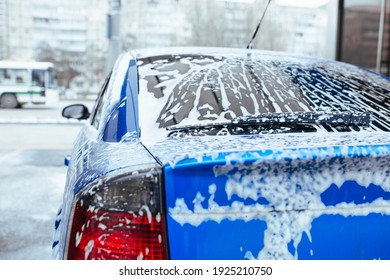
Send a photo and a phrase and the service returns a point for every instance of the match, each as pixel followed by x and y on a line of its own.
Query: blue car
pixel 199 153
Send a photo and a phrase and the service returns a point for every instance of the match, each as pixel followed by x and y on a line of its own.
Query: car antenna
pixel 250 45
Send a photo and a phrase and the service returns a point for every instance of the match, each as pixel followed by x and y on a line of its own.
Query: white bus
pixel 27 82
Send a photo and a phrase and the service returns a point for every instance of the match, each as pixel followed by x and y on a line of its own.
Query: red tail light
pixel 120 218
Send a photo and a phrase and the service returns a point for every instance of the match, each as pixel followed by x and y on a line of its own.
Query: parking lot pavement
pixel 33 143
pixel 32 180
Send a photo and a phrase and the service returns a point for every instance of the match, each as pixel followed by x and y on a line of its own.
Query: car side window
pixel 97 113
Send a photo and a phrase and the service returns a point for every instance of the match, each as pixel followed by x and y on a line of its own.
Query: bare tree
pixel 95 62
pixel 68 64
pixel 207 23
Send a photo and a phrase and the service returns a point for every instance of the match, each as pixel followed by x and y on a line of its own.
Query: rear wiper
pixel 197 126
pixel 288 119
pixel 331 118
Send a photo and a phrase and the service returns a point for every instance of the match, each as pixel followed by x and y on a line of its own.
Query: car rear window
pixel 196 89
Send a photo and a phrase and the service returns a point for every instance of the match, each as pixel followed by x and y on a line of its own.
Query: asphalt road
pixel 33 144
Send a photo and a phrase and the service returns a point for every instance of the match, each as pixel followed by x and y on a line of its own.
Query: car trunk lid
pixel 277 196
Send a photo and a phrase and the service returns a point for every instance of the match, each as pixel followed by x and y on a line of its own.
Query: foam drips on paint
pixel 292 185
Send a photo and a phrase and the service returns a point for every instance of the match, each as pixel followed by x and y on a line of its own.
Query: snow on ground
pixel 32 179
pixel 28 207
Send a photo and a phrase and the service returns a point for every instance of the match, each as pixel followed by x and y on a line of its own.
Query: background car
pixel 202 153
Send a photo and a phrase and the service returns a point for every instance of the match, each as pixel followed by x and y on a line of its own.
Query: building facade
pixel 3 30
pixel 72 33
pixel 63 32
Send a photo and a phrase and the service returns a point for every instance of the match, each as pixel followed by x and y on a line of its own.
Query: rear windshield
pixel 190 90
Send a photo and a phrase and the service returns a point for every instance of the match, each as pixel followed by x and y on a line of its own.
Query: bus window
pixel 5 76
pixel 21 76
pixel 38 78
pixel 13 76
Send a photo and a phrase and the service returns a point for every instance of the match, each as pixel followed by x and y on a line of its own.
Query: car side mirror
pixel 76 111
